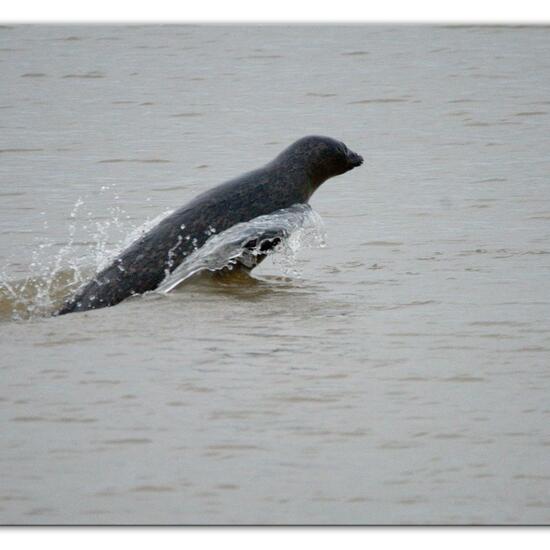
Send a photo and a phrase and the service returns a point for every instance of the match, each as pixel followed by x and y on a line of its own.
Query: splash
pixel 296 227
pixel 56 272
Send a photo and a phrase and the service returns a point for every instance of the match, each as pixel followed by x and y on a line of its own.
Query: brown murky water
pixel 403 377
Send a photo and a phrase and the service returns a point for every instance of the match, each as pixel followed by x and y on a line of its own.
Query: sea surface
pixel 398 374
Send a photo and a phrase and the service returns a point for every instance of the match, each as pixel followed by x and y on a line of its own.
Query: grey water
pixel 400 374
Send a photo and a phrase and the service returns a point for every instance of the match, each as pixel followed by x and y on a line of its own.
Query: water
pixel 402 377
pixel 226 251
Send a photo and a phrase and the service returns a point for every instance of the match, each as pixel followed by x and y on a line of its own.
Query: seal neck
pixel 305 176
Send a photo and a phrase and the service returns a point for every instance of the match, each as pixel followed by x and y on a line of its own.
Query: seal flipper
pixel 257 248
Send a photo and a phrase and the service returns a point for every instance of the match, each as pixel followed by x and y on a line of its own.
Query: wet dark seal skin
pixel 291 178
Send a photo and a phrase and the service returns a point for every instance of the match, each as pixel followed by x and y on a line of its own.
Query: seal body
pixel 289 179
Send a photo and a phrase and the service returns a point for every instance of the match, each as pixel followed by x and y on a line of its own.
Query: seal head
pixel 323 158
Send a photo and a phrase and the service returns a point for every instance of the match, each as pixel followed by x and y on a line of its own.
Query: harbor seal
pixel 291 178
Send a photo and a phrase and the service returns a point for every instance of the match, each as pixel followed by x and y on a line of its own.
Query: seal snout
pixel 354 159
